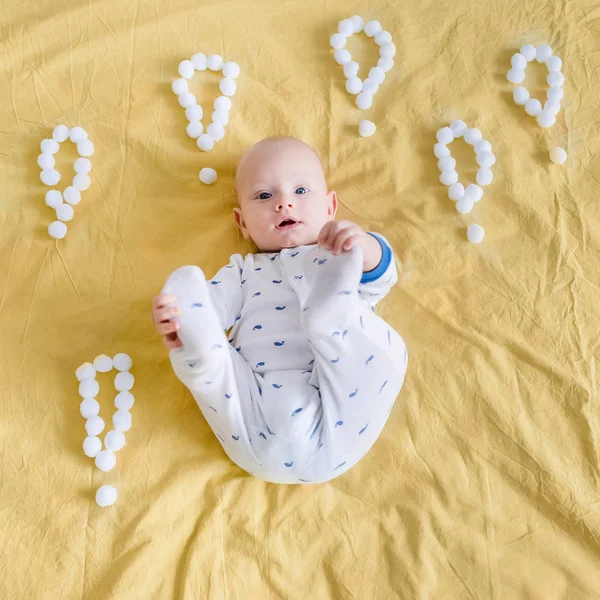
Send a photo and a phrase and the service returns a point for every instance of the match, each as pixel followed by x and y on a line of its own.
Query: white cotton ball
pixel 72 195
pixel 199 61
pixel 351 69
pixel 446 163
pixel 533 107
pixel 484 176
pixel 475 233
pixel 555 94
pixel 205 143
pixel 89 407
pixel 187 99
pixel 346 27
pixel 222 103
pixel 372 28
pixel 441 150
pixel 520 95
pixel 53 198
pixel 207 176
pixel 106 496
pixel 456 191
pixel 91 446
pixel 64 212
pixel 377 74
pixel 186 69
pixel 357 23
pixel 555 79
pixel 354 86
pixel 472 136
pixel 94 425
pixel 364 100
pixel 82 182
pixel 545 119
pixel 458 128
pixel 342 56
pixel 106 460
pixel 215 62
pixel 215 131
pixel 85 371
pixel 231 70
pixel 46 160
pixel 122 362
pixel 85 148
pixel 444 135
pixel 60 133
pixel 485 159
pixel 385 63
pixel 220 117
pixel 194 129
pixel 543 53
pixel 552 107
pixel 383 37
pixel 518 61
pixel 558 155
pixel 227 86
pixel 180 86
pixel 515 75
pixel 124 400
pixel 474 192
pixel 388 49
pixel 88 388
pixel 57 230
pixel 103 363
pixel 366 128
pixel 49 146
pixel 464 205
pixel 482 146
pixel 50 177
pixel 194 113
pixel 554 63
pixel 82 165
pixel 122 420
pixel 370 86
pixel 124 381
pixel 449 177
pixel 78 134
pixel 528 51
pixel 114 440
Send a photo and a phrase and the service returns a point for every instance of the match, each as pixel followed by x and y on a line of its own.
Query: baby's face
pixel 283 195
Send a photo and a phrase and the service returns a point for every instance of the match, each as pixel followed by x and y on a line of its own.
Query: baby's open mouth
pixel 288 223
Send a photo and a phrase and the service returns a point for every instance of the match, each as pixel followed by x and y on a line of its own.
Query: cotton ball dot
pixel 533 107
pixel 94 425
pixel 82 182
pixel 366 128
pixel 446 163
pixel 220 117
pixel 543 53
pixel 370 86
pixel 85 148
pixel 545 119
pixel 78 134
pixel 458 128
pixel 482 146
pixel 106 460
pixel 464 205
pixel 449 177
pixel 518 61
pixel 475 233
pixel 57 230
pixel 388 49
pixel 342 56
pixel 383 37
pixel 520 95
pixel 231 70
pixel 53 198
pixel 485 159
pixel 186 69
pixel 124 401
pixel 558 155
pixel 91 446
pixel 357 23
pixel 372 28
pixel 441 150
pixel 214 62
pixel 528 51
pixel 194 129
pixel 64 212
pixel 122 362
pixel 444 135
pixel 515 75
pixel 354 85
pixel 72 195
pixel 208 176
pixel 194 113
pixel 199 61
pixel 180 86
pixel 484 176
pixel 103 363
pixel 114 440
pixel 554 63
pixel 456 191
pixel 222 103
pixel 89 407
pixel 377 74
pixel 205 142
pixel 85 371
pixel 50 176
pixel 385 63
pixel 227 86
pixel 122 420
pixel 106 496
pixel 472 136
pixel 555 79
pixel 215 132
pixel 46 160
pixel 187 99
pixel 555 94
pixel 124 381
pixel 49 146
pixel 82 165
pixel 346 27
pixel 60 133
pixel 88 388
pixel 474 192
pixel 351 69
pixel 364 100
pixel 552 107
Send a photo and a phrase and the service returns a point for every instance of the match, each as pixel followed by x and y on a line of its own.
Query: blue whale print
pixel 262 435
pixel 277 280
pixel 370 359
pixel 339 423
pixel 215 282
pixel 363 429
pixel 235 437
pixel 340 465
pixel 289 464
pixel 257 327
pixel 344 293
pixel 277 386
pixel 213 408
pixel 228 395
pixel 298 410
pixel 335 360
pixel 197 305
pixel 322 261
pixel 280 308
pixel 279 343
pixel 354 393
pixel 381 388
pixel 256 294
pixel 260 364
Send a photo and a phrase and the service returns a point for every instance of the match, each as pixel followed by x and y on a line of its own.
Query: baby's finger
pixel 332 235
pixel 169 327
pixel 172 342
pixel 324 232
pixel 164 314
pixel 351 241
pixel 162 300
pixel 341 239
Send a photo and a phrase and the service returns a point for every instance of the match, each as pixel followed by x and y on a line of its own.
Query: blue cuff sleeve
pixel 384 263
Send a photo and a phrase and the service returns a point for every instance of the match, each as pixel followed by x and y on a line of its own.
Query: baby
pixel 302 388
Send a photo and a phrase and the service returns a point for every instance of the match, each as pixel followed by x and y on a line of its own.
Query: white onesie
pixel 304 385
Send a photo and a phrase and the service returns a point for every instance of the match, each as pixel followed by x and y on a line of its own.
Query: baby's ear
pixel 239 219
pixel 332 204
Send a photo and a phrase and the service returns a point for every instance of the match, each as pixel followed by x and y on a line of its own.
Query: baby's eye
pixel 301 190
pixel 264 196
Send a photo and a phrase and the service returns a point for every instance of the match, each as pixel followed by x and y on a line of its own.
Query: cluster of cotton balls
pixel 363 90
pixel 89 408
pixel 465 198
pixel 50 176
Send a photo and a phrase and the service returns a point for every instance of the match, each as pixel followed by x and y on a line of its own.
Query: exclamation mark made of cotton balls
pixel 105 459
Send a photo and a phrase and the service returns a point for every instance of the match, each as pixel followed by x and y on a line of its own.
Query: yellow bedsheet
pixel 485 482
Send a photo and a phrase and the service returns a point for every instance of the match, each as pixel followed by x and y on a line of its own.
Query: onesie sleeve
pixel 226 291
pixel 375 284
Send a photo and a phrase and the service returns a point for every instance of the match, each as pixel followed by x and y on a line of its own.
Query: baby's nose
pixel 284 201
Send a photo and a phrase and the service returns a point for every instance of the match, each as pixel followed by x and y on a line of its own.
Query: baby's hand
pixel 342 236
pixel 162 315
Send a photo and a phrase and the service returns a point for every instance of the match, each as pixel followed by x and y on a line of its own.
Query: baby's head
pixel 280 180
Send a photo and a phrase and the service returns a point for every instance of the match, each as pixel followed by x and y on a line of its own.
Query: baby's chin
pixel 283 240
